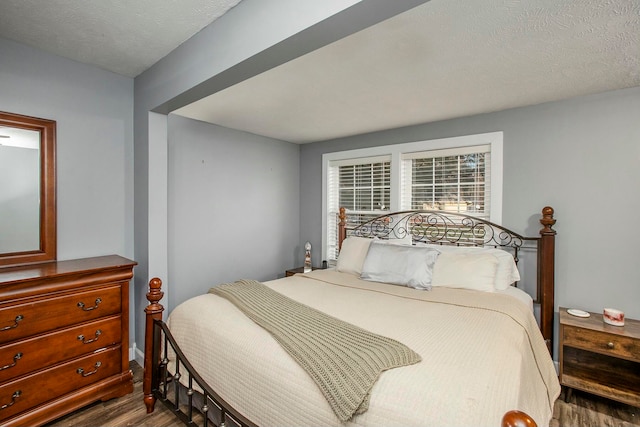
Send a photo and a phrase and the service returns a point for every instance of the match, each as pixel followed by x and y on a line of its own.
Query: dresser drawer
pixel 30 391
pixel 41 351
pixel 601 342
pixel 41 315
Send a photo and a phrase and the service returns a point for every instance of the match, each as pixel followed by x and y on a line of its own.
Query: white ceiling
pixel 441 60
pixel 123 36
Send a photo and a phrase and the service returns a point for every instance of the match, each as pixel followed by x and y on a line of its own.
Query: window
pixel 363 187
pixel 455 180
pixel 462 174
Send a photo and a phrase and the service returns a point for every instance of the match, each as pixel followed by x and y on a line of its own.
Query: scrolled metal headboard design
pixel 438 227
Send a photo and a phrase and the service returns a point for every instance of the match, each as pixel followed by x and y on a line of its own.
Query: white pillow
pixel 469 270
pixel 399 265
pixel 507 272
pixel 352 254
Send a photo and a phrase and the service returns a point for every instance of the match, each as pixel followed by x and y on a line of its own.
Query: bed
pixel 483 359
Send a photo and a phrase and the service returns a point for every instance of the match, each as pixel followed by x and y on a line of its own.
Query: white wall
pixel 581 156
pixel 93 109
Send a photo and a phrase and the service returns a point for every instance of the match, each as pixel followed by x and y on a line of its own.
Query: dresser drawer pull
pixel 610 345
pixel 16 395
pixel 86 374
pixel 81 337
pixel 81 305
pixel 18 318
pixel 17 357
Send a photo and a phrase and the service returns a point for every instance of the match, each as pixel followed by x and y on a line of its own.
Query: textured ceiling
pixel 123 36
pixel 441 60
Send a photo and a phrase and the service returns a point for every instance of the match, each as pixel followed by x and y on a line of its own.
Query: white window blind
pixel 362 187
pixel 461 174
pixel 455 180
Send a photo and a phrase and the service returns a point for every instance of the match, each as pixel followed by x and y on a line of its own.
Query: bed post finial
pixel 517 419
pixel 151 350
pixel 154 295
pixel 342 227
pixel 546 269
pixel 547 220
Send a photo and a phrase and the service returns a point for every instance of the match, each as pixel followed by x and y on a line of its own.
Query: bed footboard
pixel 183 391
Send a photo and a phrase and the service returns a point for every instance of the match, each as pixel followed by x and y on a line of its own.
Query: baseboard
pixel 136 354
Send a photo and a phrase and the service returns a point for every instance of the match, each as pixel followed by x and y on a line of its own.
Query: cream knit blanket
pixel 344 360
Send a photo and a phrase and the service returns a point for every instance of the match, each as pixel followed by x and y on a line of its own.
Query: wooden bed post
pixel 546 268
pixel 342 227
pixel 517 419
pixel 151 346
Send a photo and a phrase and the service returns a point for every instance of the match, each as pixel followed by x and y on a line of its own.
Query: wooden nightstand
pixel 297 270
pixel 599 358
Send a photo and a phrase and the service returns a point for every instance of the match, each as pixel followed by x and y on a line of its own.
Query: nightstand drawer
pixel 602 342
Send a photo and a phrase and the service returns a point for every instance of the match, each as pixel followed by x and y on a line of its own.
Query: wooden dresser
pixel 599 358
pixel 64 337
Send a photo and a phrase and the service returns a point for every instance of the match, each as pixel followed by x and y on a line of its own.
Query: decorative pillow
pixel 507 272
pixel 352 255
pixel 469 270
pixel 399 265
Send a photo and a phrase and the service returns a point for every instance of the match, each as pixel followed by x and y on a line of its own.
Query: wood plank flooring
pixel 128 410
pixel 582 410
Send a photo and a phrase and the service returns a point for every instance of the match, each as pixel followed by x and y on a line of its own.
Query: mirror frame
pixel 48 213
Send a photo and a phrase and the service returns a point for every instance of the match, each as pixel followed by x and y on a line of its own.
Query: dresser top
pixel 29 272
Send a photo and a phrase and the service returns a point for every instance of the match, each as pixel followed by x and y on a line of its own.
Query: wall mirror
pixel 27 189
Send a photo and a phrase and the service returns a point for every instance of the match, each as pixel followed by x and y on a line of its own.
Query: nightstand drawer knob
pixel 610 345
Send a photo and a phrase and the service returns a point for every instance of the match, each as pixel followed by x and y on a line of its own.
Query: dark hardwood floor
pixel 128 410
pixel 582 410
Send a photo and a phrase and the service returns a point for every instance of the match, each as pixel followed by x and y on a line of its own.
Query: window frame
pixel 396 152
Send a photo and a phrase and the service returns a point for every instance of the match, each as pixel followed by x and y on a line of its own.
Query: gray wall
pixel 252 37
pixel 93 109
pixel 229 216
pixel 244 31
pixel 580 156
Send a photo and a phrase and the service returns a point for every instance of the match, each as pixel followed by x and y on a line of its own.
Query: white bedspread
pixel 482 355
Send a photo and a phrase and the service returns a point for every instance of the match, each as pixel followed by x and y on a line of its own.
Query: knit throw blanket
pixel 344 360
